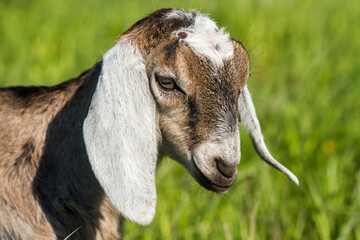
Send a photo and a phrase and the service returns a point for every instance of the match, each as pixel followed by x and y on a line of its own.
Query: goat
pixel 84 153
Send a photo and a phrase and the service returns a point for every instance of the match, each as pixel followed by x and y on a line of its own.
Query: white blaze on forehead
pixel 205 37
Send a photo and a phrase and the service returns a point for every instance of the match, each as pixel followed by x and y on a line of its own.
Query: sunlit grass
pixel 305 84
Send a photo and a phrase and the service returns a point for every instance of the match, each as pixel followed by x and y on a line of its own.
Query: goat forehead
pixel 204 36
pixel 212 95
pixel 202 75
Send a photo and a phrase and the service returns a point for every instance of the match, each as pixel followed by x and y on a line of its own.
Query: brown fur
pixel 210 98
pixel 209 91
pixel 148 32
pixel 48 188
pixel 206 104
pixel 42 196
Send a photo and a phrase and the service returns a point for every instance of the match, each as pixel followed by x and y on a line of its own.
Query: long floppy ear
pixel 120 133
pixel 249 119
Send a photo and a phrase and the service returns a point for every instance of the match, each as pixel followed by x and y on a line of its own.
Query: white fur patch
pixel 205 37
pixel 120 133
pixel 228 149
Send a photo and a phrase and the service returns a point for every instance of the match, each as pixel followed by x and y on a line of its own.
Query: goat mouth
pixel 206 182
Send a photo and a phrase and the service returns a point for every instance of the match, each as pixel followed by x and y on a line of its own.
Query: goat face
pixel 197 103
pixel 173 78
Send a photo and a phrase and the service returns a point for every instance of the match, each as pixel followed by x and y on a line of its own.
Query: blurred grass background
pixel 305 83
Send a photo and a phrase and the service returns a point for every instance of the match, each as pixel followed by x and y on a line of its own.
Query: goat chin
pixel 80 157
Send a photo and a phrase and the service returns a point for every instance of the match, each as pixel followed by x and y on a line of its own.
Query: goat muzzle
pixel 214 174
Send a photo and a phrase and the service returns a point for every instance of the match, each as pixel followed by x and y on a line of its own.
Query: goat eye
pixel 166 82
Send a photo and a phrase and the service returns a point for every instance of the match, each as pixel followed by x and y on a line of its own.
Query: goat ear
pixel 120 133
pixel 249 119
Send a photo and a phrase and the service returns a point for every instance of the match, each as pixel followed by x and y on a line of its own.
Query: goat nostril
pixel 224 169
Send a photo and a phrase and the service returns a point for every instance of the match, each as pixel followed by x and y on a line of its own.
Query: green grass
pixel 305 84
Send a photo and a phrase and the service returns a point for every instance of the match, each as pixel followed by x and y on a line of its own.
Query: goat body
pixel 82 155
pixel 48 188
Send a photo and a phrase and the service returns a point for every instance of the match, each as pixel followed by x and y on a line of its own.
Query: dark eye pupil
pixel 165 82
